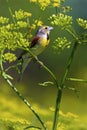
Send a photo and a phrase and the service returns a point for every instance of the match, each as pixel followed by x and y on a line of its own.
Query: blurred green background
pixel 45 96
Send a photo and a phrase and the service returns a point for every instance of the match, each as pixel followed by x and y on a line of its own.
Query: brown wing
pixel 35 41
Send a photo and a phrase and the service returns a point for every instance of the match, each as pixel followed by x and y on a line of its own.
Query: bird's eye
pixel 45 27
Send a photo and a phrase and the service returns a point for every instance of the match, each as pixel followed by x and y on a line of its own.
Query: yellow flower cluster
pixel 4 20
pixel 44 3
pixel 37 23
pixel 21 14
pixel 55 3
pixel 10 57
pixel 82 23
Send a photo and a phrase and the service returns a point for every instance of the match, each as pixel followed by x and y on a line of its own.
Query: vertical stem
pixel 59 93
pixel 57 107
pixel 1 66
pixel 10 11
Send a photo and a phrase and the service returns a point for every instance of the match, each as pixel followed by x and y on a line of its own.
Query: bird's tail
pixel 24 63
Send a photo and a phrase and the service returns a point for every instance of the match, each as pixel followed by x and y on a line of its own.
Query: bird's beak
pixel 50 28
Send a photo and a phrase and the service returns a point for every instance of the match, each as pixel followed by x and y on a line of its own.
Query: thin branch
pixel 7 78
pixel 12 67
pixel 73 33
pixel 30 127
pixel 69 63
pixel 76 80
pixel 10 11
pixel 59 93
pixel 45 67
pixel 1 66
pixel 25 101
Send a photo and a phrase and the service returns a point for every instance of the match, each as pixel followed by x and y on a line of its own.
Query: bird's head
pixel 44 30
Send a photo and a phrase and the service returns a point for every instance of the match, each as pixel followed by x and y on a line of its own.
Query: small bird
pixel 38 45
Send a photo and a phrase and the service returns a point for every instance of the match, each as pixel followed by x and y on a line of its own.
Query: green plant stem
pixel 10 11
pixel 73 33
pixel 25 101
pixel 1 66
pixel 5 76
pixel 76 80
pixel 59 93
pixel 45 67
pixel 29 127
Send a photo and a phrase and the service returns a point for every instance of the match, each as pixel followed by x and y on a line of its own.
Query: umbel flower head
pixel 45 3
pixel 61 20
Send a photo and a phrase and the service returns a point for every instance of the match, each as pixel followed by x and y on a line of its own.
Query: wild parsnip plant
pixel 16 34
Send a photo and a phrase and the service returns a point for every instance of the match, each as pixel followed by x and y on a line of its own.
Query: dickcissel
pixel 38 45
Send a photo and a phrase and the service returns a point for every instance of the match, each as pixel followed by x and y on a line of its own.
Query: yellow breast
pixel 44 42
pixel 40 47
